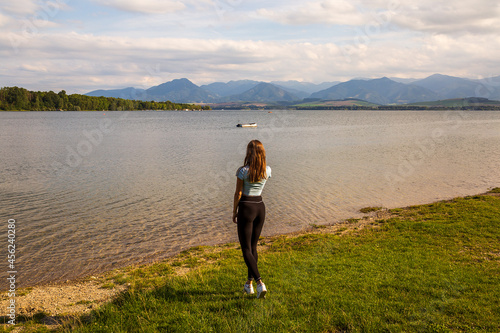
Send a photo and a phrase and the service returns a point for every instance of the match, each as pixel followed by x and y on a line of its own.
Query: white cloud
pixel 29 17
pixel 4 20
pixel 84 62
pixel 33 68
pixel 144 6
pixel 125 61
pixel 428 16
pixel 317 12
pixel 19 7
pixel 457 17
pixel 129 51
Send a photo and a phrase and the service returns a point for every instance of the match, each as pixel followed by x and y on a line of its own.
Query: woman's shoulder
pixel 242 171
pixel 243 168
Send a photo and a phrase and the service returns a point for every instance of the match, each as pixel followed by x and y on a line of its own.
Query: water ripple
pixel 162 182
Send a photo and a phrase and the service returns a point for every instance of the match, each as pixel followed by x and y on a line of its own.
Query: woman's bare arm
pixel 237 197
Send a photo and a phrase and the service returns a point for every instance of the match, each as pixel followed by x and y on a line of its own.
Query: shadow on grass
pixel 43 322
pixel 173 308
pixel 188 295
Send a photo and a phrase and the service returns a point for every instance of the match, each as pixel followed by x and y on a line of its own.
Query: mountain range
pixel 382 91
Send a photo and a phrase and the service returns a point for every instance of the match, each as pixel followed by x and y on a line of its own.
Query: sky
pixel 85 45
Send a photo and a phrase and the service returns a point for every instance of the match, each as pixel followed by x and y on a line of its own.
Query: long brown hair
pixel 256 161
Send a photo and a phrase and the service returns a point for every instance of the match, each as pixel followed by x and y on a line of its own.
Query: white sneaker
pixel 261 290
pixel 248 288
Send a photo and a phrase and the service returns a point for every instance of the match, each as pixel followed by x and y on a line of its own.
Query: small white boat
pixel 247 125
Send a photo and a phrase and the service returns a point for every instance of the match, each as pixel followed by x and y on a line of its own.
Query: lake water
pixel 92 191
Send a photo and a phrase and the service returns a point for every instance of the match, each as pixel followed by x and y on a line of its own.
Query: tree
pixel 15 98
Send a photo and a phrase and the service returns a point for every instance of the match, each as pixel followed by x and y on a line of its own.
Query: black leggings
pixel 251 217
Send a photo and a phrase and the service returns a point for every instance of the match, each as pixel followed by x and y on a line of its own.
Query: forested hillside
pixel 20 99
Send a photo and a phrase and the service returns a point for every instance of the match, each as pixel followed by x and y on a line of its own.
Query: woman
pixel 249 211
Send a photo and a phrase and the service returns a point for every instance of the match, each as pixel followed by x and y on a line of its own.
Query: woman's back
pixel 252 188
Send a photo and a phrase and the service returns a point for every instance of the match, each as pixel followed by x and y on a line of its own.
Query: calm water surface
pixel 92 191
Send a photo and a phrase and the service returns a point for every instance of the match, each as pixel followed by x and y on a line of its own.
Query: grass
pixel 317 226
pixel 108 285
pixel 430 268
pixel 366 210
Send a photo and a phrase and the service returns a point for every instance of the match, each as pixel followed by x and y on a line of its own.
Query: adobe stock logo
pixel 422 150
pixel 30 26
pixel 363 36
pixel 225 7
pixel 86 146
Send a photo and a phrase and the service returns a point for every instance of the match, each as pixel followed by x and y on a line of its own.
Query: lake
pixel 93 191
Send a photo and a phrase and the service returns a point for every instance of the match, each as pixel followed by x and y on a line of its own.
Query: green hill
pixel 381 91
pixel 459 102
pixel 334 104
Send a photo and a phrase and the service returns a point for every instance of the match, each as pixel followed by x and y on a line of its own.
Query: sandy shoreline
pixel 72 298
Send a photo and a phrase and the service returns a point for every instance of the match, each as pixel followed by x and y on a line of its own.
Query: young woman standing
pixel 249 211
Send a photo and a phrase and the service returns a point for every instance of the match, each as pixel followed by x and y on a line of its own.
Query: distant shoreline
pixel 365 108
pixel 470 103
pixel 20 99
pixel 274 107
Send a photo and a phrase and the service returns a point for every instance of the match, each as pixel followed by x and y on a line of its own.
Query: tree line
pixel 20 99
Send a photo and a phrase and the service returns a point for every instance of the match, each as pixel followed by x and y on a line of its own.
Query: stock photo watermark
pixel 223 178
pixel 223 7
pixel 487 86
pixel 86 146
pixel 31 26
pixel 11 272
pixel 424 149
pixel 154 77
pixel 92 139
pixel 363 36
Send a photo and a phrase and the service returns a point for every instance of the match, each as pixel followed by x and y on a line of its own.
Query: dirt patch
pixel 61 300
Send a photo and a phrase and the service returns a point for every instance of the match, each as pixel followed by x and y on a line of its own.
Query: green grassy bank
pixel 429 268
